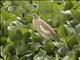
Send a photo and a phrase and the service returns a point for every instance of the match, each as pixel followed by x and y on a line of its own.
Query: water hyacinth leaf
pixel 71 56
pixel 27 19
pixel 77 28
pixel 56 8
pixel 70 29
pixel 4 30
pixel 68 5
pixel 20 49
pixel 44 9
pixel 58 44
pixel 63 51
pixel 62 31
pixel 77 47
pixel 17 23
pixel 49 48
pixel 1 4
pixel 73 23
pixel 67 15
pixel 57 57
pixel 76 14
pixel 57 20
pixel 25 57
pixel 71 41
pixel 8 17
pixel 12 57
pixel 41 55
pixel 50 57
pixel 16 35
pixel 9 49
pixel 3 41
pixel 34 46
pixel 45 12
pixel 36 37
pixel 19 10
pixel 26 34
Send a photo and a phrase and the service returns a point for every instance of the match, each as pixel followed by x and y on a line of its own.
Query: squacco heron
pixel 44 29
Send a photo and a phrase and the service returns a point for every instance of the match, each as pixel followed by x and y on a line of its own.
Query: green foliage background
pixel 20 41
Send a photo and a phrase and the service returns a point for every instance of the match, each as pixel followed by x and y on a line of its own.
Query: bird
pixel 43 28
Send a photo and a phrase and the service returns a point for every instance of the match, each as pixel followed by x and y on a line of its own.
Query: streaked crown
pixel 35 16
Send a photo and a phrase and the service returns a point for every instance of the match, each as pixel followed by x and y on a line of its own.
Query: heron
pixel 44 29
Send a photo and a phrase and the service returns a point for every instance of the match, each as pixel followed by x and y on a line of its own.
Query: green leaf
pixel 15 35
pixel 4 30
pixel 12 57
pixel 40 56
pixel 62 31
pixel 36 37
pixel 27 19
pixel 3 41
pixel 49 48
pixel 70 30
pixel 57 20
pixel 1 4
pixel 71 56
pixel 77 28
pixel 76 14
pixel 34 46
pixel 8 17
pixel 9 49
pixel 20 49
pixel 71 41
pixel 68 5
pixel 63 51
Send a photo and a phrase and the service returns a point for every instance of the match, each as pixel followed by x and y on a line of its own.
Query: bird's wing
pixel 39 27
pixel 44 30
pixel 47 27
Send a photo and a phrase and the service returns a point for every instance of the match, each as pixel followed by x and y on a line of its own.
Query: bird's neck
pixel 37 18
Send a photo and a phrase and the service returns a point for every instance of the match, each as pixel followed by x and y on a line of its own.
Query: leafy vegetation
pixel 20 41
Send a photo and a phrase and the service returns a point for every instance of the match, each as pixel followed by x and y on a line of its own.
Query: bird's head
pixel 35 16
